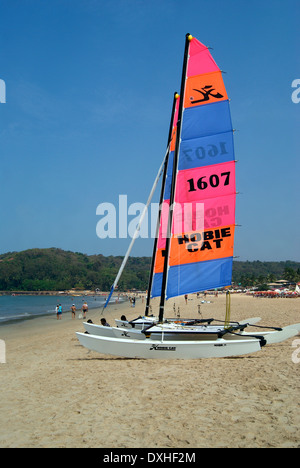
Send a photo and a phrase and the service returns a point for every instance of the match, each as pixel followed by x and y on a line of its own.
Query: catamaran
pixel 193 248
pixel 177 331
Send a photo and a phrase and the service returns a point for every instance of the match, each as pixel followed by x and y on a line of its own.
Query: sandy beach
pixel 55 393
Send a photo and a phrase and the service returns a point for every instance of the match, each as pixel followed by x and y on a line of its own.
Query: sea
pixel 19 307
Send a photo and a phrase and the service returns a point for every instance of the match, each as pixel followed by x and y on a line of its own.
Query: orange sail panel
pixel 204 89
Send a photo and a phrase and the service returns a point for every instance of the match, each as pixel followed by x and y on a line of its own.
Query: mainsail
pixel 198 253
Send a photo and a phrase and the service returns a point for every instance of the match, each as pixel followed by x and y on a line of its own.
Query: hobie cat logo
pixel 206 92
pixel 2 92
pixel 162 348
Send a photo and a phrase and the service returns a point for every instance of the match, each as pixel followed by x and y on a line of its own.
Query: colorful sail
pixel 160 239
pixel 164 212
pixel 201 246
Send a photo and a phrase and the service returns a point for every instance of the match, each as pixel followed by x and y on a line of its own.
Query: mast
pixel 188 38
pixel 160 205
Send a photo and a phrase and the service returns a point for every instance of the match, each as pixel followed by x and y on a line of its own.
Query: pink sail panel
pixel 205 182
pixel 192 216
pixel 200 59
pixel 209 213
pixel 219 211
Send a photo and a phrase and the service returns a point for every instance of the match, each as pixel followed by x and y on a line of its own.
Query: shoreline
pixel 86 292
pixel 59 394
pixel 45 322
pixel 6 320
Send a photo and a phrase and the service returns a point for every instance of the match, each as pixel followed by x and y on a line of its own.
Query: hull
pixel 200 333
pixel 150 349
pixel 295 326
pixel 273 337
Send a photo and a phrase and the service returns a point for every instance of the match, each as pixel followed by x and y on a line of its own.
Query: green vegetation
pixel 56 270
pixel 258 273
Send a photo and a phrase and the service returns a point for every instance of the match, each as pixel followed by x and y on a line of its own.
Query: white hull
pixel 273 337
pixel 295 326
pixel 150 349
pixel 172 332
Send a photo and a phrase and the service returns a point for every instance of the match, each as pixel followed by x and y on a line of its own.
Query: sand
pixel 55 393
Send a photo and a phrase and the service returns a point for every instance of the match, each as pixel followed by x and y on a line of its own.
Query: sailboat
pixel 193 249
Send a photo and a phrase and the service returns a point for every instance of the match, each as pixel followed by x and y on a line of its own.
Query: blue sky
pixel 89 89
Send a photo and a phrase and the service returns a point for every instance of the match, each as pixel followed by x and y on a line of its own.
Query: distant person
pixel 56 311
pixel 59 312
pixel 104 323
pixel 84 309
pixel 133 302
pixel 73 310
pixel 186 298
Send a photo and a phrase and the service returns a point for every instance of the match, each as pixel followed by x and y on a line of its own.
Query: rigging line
pixel 136 231
pixel 161 200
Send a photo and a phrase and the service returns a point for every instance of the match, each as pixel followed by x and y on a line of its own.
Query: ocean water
pixel 16 308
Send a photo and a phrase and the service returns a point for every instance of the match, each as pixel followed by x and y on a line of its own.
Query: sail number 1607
pixel 213 181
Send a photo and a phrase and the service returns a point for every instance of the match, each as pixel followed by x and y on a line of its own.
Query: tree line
pixel 57 270
pixel 249 274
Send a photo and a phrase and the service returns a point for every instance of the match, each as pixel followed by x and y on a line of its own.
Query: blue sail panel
pixel 186 279
pixel 206 120
pixel 205 151
pixel 156 285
